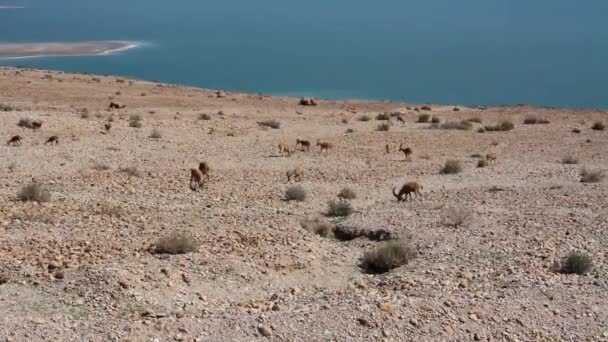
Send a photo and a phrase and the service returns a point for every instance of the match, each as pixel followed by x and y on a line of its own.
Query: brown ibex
pixel 304 144
pixel 324 145
pixel 400 119
pixel 108 126
pixel 15 140
pixel 204 168
pixel 491 157
pixel 297 173
pixel 407 189
pixel 196 179
pixel 52 140
pixel 406 151
pixel 284 149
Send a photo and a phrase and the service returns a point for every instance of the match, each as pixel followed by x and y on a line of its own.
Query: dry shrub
pixel 347 193
pixel 383 116
pixel 577 263
pixel 456 216
pixel 570 160
pixel 426 107
pixel 176 243
pixel 383 127
pixel 339 208
pixel 295 193
pixel 204 116
pixel 423 118
pixel 349 130
pixel 135 121
pixel 318 226
pixel 388 256
pixel 84 113
pixel 598 126
pixel 364 117
pixel 156 134
pixel 462 125
pixel 501 127
pixel 6 108
pixel 35 192
pixel 270 123
pixel 97 166
pixel 592 176
pixel 476 155
pixel 481 130
pixel 576 130
pixel 436 120
pixel 25 122
pixel 130 170
pixel 475 119
pixel 482 162
pixel 452 166
pixel 530 120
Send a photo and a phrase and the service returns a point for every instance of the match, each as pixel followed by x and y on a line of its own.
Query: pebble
pixel 266 331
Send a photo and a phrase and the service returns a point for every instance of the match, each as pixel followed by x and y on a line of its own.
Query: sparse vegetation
pixel 135 121
pixel 436 119
pixel 456 216
pixel 483 162
pixel 475 119
pixel 570 159
pixel 130 170
pixel 34 192
pixel 295 193
pixel 577 263
pixel 347 193
pixel 383 127
pixel 84 113
pixel 97 166
pixel 176 243
pixel 25 122
pixel 318 226
pixel 349 130
pixel 204 116
pixel 501 127
pixel 592 176
pixel 388 256
pixel 576 130
pixel 270 123
pixel 6 108
pixel 156 134
pixel 598 126
pixel 476 155
pixel 423 118
pixel 461 125
pixel 364 117
pixel 452 166
pixel 339 208
pixel 383 116
pixel 481 130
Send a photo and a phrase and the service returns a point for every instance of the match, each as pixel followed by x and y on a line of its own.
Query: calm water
pixel 551 52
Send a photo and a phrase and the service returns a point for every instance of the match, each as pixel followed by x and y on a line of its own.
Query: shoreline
pixel 10 51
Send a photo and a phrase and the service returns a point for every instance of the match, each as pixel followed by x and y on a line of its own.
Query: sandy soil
pixel 71 270
pixel 14 50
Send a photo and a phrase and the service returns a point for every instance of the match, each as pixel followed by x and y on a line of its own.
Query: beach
pixel 22 50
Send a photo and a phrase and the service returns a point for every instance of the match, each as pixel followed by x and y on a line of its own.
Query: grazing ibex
pixel 284 149
pixel 36 125
pixel 407 151
pixel 108 126
pixel 304 144
pixel 114 105
pixel 196 179
pixel 52 140
pixel 400 119
pixel 15 140
pixel 491 157
pixel 388 149
pixel 297 173
pixel 324 145
pixel 204 168
pixel 407 189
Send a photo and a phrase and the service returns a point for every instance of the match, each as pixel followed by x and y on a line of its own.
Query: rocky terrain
pixel 83 266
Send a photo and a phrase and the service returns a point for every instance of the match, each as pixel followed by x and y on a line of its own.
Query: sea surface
pixel 545 52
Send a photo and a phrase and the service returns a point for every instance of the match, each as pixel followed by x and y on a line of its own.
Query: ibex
pixel 297 173
pixel 196 179
pixel 407 151
pixel 15 140
pixel 108 126
pixel 304 144
pixel 491 157
pixel 36 125
pixel 324 145
pixel 284 149
pixel 400 119
pixel 52 140
pixel 407 189
pixel 204 168
pixel 388 148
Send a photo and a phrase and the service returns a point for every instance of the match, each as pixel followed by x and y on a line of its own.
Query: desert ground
pixel 84 265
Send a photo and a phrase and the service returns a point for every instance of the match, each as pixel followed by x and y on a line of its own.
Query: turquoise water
pixel 548 52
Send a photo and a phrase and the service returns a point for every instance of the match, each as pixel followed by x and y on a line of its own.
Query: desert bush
pixel 6 108
pixel 364 117
pixel 295 193
pixel 350 130
pixel 462 125
pixel 576 130
pixel 592 176
pixel 97 166
pixel 476 155
pixel 344 120
pixel 347 193
pixel 475 119
pixel 383 116
pixel 25 122
pixel 426 107
pixel 388 256
pixel 130 170
pixel 204 116
pixel 84 114
pixel 501 127
pixel 577 263
pixel 318 226
pixel 569 160
pixel 456 216
pixel 135 121
pixel 481 130
pixel 598 126
pixel 452 166
pixel 435 119
pixel 530 120
pixel 423 118
pixel 482 162
pixel 156 134
pixel 543 121
pixel 270 123
pixel 34 192
pixel 339 208
pixel 176 243
pixel 383 127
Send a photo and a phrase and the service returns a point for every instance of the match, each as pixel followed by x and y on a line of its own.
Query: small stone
pixel 275 307
pixel 414 322
pixel 186 278
pixel 477 337
pixel 123 284
pixel 265 330
pixel 363 322
pixel 386 307
pixel 464 283
pixel 59 275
